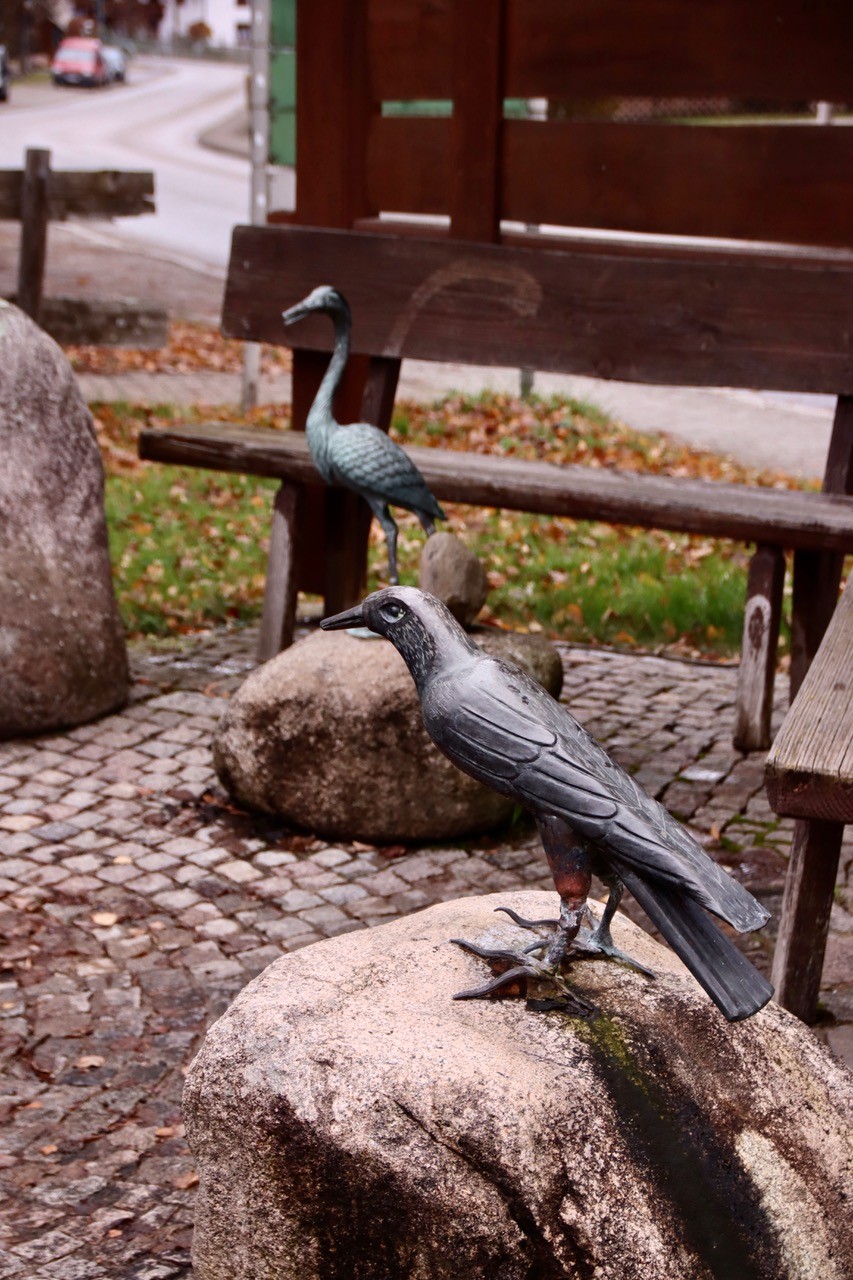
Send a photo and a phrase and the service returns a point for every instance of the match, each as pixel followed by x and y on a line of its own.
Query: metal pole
pixel 537 109
pixel 259 150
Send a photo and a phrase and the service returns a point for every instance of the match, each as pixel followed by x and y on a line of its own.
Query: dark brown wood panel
pixel 409 164
pixel 745 513
pixel 775 50
pixel 712 319
pixel 475 128
pixel 333 106
pixel 788 183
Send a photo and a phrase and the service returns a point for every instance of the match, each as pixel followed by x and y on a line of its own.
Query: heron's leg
pixel 389 528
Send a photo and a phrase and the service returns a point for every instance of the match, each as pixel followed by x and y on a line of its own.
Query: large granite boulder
pixel 350 1120
pixel 329 735
pixel 62 651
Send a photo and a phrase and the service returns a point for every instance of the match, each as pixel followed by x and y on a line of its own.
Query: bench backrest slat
pixel 776 321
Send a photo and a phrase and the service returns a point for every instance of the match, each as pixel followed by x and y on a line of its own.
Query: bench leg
pixel 754 706
pixel 817 577
pixel 809 889
pixel 279 615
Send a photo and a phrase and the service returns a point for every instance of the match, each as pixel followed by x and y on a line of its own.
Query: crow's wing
pixel 496 723
pixel 365 459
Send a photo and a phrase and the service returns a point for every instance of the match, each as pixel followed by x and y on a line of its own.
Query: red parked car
pixel 79 60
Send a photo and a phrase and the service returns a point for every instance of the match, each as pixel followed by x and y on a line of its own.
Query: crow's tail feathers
pixel 735 986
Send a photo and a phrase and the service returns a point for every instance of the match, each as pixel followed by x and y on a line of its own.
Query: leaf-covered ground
pixel 190 546
pixel 191 348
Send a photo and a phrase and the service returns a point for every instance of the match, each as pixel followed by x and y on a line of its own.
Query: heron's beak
pixel 341 621
pixel 294 313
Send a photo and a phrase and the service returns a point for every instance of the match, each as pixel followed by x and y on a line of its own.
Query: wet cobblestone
pixel 136 901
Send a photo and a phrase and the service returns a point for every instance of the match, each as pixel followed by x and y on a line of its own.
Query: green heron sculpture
pixel 360 456
pixel 501 727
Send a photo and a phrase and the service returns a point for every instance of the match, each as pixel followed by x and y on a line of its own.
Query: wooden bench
pixel 717 317
pixel 37 195
pixel 809 777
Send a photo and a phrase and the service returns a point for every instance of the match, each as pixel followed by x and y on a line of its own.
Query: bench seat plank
pixel 809 772
pixel 779 517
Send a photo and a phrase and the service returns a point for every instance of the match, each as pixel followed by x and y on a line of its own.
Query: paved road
pixel 153 122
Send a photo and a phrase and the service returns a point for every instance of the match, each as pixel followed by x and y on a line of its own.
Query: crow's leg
pixel 599 941
pixel 389 528
pixel 570 866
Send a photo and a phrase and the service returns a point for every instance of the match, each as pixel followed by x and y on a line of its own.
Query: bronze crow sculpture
pixel 498 725
pixel 360 456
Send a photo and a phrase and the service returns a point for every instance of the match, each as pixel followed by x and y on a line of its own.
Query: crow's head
pixel 323 298
pixel 420 627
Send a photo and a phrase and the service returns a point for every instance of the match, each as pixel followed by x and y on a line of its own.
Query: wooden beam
pixel 708 319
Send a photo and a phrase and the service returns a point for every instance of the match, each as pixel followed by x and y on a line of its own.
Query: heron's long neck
pixel 321 418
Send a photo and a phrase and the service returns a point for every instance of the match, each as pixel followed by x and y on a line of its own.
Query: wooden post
pixel 334 106
pixel 279 615
pixel 754 706
pixel 817 574
pixel 34 218
pixel 800 947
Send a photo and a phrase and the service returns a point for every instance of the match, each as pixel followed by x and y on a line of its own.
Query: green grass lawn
pixel 189 547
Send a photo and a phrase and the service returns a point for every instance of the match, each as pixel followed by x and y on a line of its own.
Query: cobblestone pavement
pixel 137 901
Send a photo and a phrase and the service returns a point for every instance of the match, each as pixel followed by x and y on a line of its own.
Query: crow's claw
pixel 487 953
pixel 527 924
pixel 506 979
pixel 598 944
pixel 515 967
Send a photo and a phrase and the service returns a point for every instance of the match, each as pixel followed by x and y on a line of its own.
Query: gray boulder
pixel 62 651
pixel 450 571
pixel 350 1120
pixel 329 735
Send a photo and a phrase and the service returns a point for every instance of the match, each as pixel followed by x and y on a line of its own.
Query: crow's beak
pixel 341 621
pixel 294 313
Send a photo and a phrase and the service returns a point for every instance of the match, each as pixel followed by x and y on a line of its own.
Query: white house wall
pixel 229 21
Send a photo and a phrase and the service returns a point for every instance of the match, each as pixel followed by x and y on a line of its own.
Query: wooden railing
pixel 37 195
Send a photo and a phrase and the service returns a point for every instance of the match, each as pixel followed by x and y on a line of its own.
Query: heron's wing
pixel 508 732
pixel 365 459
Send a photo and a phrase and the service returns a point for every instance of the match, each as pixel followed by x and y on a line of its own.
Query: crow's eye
pixel 392 612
